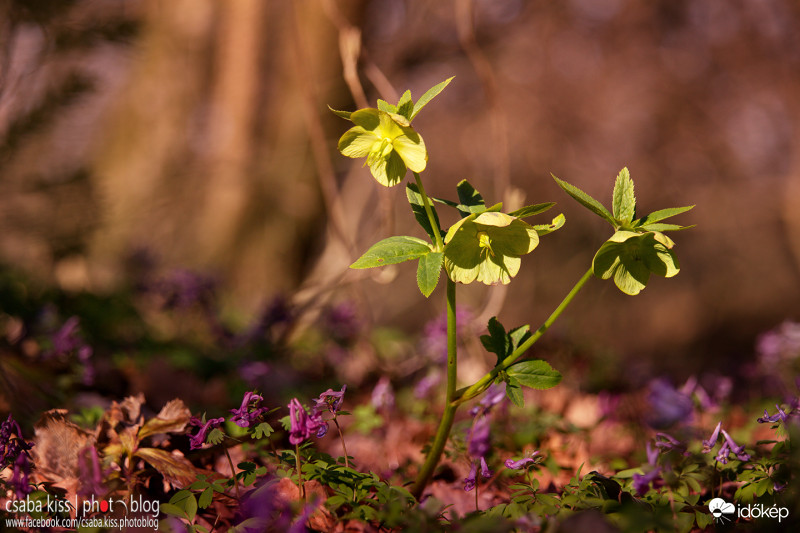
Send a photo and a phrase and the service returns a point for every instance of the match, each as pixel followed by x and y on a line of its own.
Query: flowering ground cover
pixel 310 418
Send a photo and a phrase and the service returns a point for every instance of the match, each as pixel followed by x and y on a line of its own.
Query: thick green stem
pixel 437 233
pixel 446 423
pixel 482 384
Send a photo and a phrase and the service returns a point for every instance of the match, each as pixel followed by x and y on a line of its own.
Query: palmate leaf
pixel 391 251
pixel 587 201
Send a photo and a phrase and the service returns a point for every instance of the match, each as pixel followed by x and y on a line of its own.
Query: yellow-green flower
pixel 631 257
pixel 487 247
pixel 388 142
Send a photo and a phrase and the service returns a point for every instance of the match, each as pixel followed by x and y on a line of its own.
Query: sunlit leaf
pixel 391 251
pixel 429 95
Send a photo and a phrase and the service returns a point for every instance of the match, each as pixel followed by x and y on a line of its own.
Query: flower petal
pixel 389 170
pixel 412 151
pixel 357 142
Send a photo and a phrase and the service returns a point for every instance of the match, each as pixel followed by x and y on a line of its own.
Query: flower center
pixel 485 243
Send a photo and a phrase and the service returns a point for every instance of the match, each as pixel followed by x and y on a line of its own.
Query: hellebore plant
pixel 486 245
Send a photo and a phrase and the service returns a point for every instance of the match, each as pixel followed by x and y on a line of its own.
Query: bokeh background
pixel 147 135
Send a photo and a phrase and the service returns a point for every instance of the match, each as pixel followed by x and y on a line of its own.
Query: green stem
pixel 482 384
pixel 233 470
pixel 300 483
pixel 341 437
pixel 437 233
pixel 446 423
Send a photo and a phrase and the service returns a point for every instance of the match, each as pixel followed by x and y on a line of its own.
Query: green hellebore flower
pixel 631 257
pixel 487 247
pixel 387 141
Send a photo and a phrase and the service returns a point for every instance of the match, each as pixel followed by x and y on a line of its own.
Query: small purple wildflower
pixel 712 441
pixel 304 425
pixel 182 289
pixel 66 341
pixel 514 465
pixel 667 404
pixel 14 453
pixel 641 482
pixel 434 336
pixel 249 412
pixel 779 344
pixel 383 394
pixel 424 386
pixel 736 450
pixel 330 401
pixel 196 441
pixel 494 395
pixel 471 479
pixel 478 437
pixel 341 323
pixel 90 473
pixel 652 454
pixel 781 416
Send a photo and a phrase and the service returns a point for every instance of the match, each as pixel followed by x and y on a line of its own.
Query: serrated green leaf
pixel 215 436
pixel 344 114
pixel 662 214
pixel 262 430
pixel 557 223
pixel 386 106
pixel 428 270
pixel 514 392
pixel 535 373
pixel 173 510
pixel 587 201
pixel 429 95
pixel 392 251
pixel 418 208
pixel 518 335
pixel 530 210
pixel 624 201
pixel 405 106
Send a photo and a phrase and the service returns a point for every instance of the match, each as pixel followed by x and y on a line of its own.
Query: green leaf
pixel 469 195
pixel 392 251
pixel 518 335
pixel 343 114
pixel 386 106
pixel 530 210
pixel 406 105
pixel 544 229
pixel 215 436
pixel 429 95
pixel 205 498
pixel 535 373
pixel 587 201
pixel 497 341
pixel 418 208
pixel 430 265
pixel 661 214
pixel 663 227
pixel 514 392
pixel 262 430
pixel 185 503
pixel 173 510
pixel 624 201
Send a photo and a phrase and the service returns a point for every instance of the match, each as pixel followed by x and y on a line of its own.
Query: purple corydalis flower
pixel 67 340
pixel 667 404
pixel 712 441
pixel 736 450
pixel 424 386
pixel 471 479
pixel 514 465
pixel 780 415
pixel 330 400
pixel 494 395
pixel 341 323
pixel 302 424
pixel 641 482
pixel 383 394
pixel 478 437
pixel 249 412
pixel 90 473
pixel 196 441
pixel 14 453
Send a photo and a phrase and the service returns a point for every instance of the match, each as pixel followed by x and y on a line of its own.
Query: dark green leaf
pixel 518 336
pixel 587 201
pixel 530 210
pixel 205 498
pixel 663 227
pixel 418 208
pixel 429 95
pixel 215 436
pixel 391 251
pixel 536 374
pixel 430 265
pixel 468 195
pixel 514 392
pixel 497 341
pixel 624 201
